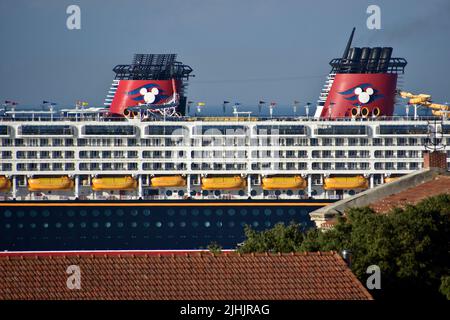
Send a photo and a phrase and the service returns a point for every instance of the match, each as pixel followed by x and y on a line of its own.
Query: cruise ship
pixel 140 173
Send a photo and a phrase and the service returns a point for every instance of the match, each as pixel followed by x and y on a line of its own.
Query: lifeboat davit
pixel 114 183
pixel 223 183
pixel 168 181
pixel 345 183
pixel 5 183
pixel 292 182
pixel 50 183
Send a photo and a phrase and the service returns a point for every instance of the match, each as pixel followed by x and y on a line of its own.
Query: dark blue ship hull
pixel 141 225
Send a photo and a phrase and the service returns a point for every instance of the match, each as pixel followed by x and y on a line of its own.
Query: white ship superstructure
pixel 204 158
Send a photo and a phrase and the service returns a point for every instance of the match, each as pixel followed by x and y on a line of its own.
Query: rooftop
pixel 438 185
pixel 189 276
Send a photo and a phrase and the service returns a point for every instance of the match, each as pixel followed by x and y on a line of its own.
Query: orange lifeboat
pixel 345 183
pixel 168 181
pixel 390 179
pixel 223 183
pixel 50 183
pixel 5 183
pixel 114 183
pixel 283 182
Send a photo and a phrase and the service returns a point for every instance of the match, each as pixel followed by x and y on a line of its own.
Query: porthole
pixel 267 212
pixel 291 212
pixel 253 193
pixel 231 212
pixel 107 212
pixel 158 224
pixel 183 212
pixel 95 213
pixel 219 224
pixel 146 224
pixel 134 224
pixel 168 193
pixel 70 225
pixel 207 224
pixel 255 224
pixel 170 212
pixel 7 214
pixel 33 225
pixel 289 193
pixel 108 224
pixel 219 212
pixel 181 193
pixel 279 212
pixel 217 193
pixel 171 224
pixel 58 225
pixel 45 225
pixel 241 193
pixel 70 213
pixel 182 224
pixel 195 224
pixel 146 212
pixel 119 212
pixel 83 225
pixel 267 224
pixel 231 224
pixel 120 224
pixel 205 192
pixel 277 193
pixel 207 212
pixel 21 214
pixel 195 212
pixel 134 212
pixel 83 213
pixel 45 213
pixel 33 213
pixel 255 212
pixel 95 224
pixel 243 212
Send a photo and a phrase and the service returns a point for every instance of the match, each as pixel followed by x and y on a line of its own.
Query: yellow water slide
pixel 168 181
pixel 425 100
pixel 114 183
pixel 5 183
pixel 345 183
pixel 50 183
pixel 283 182
pixel 223 183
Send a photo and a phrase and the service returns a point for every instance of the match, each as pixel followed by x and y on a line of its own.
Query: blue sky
pixel 240 50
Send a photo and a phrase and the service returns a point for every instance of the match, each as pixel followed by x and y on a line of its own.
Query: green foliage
pixel 278 239
pixel 445 287
pixel 214 247
pixel 410 245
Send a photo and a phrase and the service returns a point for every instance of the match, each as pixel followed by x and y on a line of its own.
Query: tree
pixel 280 238
pixel 410 245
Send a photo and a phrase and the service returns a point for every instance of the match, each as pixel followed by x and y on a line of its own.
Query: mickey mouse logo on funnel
pixel 362 94
pixel 148 94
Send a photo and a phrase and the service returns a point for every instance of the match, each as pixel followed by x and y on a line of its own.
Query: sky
pixel 240 50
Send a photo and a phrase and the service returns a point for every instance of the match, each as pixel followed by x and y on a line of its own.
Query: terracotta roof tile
pixel 231 276
pixel 439 185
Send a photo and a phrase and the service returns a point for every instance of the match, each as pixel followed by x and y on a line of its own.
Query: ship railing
pixel 9 118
